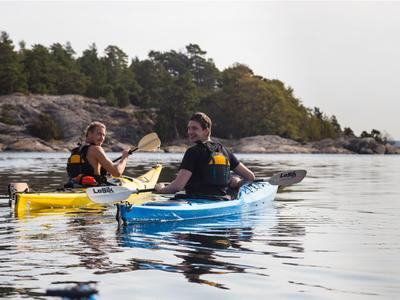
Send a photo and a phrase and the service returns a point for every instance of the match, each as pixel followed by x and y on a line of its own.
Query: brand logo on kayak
pixel 288 175
pixel 103 190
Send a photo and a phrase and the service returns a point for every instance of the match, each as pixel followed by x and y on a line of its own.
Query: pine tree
pixel 69 79
pixel 39 67
pixel 92 67
pixel 12 78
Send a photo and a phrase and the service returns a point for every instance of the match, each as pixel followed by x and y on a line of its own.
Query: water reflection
pixel 204 257
pixel 201 245
pixel 95 249
pixel 288 233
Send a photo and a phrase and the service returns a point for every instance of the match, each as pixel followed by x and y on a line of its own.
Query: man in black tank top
pixel 92 160
pixel 205 167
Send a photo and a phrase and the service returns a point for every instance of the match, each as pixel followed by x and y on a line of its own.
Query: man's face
pixel 196 132
pixel 97 136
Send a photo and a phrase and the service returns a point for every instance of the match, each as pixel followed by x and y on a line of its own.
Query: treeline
pixel 174 83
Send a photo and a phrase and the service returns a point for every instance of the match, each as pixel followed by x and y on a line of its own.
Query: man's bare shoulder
pixel 95 149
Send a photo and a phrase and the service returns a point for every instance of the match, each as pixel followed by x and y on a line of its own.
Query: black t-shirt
pixel 194 160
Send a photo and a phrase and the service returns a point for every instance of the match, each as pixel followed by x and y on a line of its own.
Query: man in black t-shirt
pixel 206 166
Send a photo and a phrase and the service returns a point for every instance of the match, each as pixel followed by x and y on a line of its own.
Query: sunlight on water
pixel 333 236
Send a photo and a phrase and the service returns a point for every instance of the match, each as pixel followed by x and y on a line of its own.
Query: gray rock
pixel 72 114
pixel 269 144
pixel 364 146
pixel 390 149
pixel 34 145
pixel 330 146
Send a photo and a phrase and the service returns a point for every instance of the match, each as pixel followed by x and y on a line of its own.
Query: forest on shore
pixel 172 84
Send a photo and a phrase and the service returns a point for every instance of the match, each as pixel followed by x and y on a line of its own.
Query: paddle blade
pixel 149 142
pixel 288 177
pixel 109 194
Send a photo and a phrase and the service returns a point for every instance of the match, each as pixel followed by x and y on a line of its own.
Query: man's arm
pixel 175 186
pixel 244 172
pixel 97 154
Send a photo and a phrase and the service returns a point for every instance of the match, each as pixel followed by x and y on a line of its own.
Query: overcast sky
pixel 343 57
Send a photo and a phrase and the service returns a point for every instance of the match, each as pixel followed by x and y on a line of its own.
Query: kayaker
pixel 205 167
pixel 89 159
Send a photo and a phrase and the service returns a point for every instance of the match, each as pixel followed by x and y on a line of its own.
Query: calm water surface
pixel 333 236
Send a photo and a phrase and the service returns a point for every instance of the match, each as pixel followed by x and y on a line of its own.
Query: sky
pixel 343 57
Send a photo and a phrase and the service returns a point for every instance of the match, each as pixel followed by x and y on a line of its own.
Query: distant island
pixel 48 95
pixel 56 123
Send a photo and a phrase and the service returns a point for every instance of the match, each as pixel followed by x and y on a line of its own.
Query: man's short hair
pixel 92 126
pixel 202 119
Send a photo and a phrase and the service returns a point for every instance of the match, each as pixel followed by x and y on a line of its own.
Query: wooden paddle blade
pixel 288 177
pixel 109 194
pixel 149 142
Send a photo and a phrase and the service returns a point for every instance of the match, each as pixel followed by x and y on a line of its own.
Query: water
pixel 333 236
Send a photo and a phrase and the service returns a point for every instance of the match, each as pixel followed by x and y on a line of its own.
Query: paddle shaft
pixel 143 191
pixel 130 152
pixel 149 142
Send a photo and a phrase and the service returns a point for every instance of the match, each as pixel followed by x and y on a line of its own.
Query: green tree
pixel 179 102
pixel 119 76
pixel 12 78
pixel 336 126
pixel 347 131
pixel 376 135
pixel 176 63
pixel 38 65
pixel 249 105
pixel 319 126
pixel 153 80
pixel 108 93
pixel 69 79
pixel 204 72
pixel 91 66
pixel 317 113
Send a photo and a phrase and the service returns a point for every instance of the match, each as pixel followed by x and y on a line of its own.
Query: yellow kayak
pixel 77 198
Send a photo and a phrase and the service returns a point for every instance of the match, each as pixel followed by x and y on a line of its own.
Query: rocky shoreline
pixel 275 144
pixel 70 114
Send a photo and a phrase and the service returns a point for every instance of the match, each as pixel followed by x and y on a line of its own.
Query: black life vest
pixel 77 163
pixel 217 170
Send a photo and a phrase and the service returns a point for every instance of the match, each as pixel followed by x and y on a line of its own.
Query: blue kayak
pixel 250 197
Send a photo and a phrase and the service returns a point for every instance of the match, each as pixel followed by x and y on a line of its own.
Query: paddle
pixel 286 178
pixel 111 194
pixel 149 142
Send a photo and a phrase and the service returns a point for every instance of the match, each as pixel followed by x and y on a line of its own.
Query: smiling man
pixel 205 168
pixel 90 161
